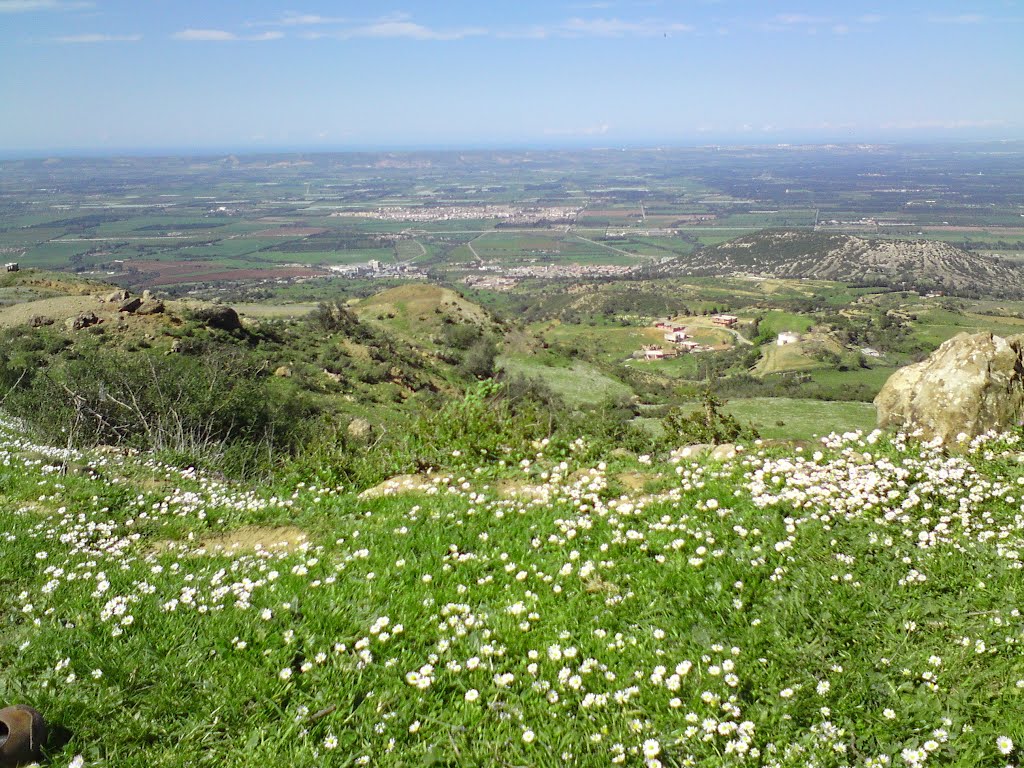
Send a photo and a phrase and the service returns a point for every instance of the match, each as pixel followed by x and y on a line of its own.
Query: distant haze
pixel 99 76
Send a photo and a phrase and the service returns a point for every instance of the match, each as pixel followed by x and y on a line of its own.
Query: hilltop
pixel 921 264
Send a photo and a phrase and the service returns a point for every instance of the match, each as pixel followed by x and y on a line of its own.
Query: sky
pixel 187 75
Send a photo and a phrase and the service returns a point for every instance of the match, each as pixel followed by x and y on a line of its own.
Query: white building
pixel 787 337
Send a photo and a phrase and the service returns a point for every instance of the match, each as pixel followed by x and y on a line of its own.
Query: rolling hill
pixel 918 264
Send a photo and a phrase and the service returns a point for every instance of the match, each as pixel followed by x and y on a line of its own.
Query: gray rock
pixel 223 318
pixel 130 305
pixel 359 429
pixel 971 384
pixel 81 321
pixel 693 451
pixel 38 321
pixel 150 307
pixel 283 372
pixel 723 452
pixel 117 296
pixel 397 485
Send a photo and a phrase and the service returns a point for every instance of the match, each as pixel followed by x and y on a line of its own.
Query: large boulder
pixel 83 320
pixel 971 384
pixel 223 318
pixel 150 307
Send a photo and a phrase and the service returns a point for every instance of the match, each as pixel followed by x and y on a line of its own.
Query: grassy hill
pixel 420 312
pixel 856 603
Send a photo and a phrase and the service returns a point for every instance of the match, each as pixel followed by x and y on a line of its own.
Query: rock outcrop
pixel 130 305
pixel 969 385
pixel 83 320
pixel 150 307
pixel 359 429
pixel 222 318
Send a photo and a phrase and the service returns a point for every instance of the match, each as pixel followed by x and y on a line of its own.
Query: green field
pixel 578 383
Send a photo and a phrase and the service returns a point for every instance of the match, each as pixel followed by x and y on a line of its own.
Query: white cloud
pixel 618 28
pixel 963 18
pixel 221 36
pixel 600 27
pixel 97 38
pixel 791 19
pixel 399 26
pixel 205 35
pixel 870 18
pixel 26 6
pixel 414 31
pixel 292 19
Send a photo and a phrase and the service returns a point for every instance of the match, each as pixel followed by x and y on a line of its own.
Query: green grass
pixel 781 417
pixel 777 321
pixel 821 597
pixel 579 383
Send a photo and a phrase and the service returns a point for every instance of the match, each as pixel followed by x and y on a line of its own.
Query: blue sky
pixel 99 75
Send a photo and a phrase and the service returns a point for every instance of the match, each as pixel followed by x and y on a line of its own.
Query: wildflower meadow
pixel 851 602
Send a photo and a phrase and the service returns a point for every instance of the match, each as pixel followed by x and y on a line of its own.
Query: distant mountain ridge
pixel 920 264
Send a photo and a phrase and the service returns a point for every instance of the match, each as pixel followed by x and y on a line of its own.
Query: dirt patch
pixel 635 481
pixel 521 489
pixel 250 538
pixel 58 309
pixel 396 485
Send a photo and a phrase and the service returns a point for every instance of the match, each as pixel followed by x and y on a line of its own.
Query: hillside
pixel 424 314
pixel 921 264
pixel 852 605
pixel 84 360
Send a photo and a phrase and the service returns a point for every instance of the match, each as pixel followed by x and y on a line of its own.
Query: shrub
pixel 707 424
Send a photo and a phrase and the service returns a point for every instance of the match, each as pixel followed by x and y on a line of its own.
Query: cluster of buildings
pixel 490 282
pixel 375 268
pixel 505 278
pixel 680 340
pixel 509 214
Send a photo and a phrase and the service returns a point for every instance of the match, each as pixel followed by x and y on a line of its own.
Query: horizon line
pixel 249 150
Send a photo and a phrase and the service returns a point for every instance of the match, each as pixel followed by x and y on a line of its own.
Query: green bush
pixel 214 407
pixel 707 424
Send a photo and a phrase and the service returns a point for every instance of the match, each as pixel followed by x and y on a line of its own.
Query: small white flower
pixel 651 748
pixel 1004 744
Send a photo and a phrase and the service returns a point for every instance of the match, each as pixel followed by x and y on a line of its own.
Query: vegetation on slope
pixel 854 605
pixel 922 264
